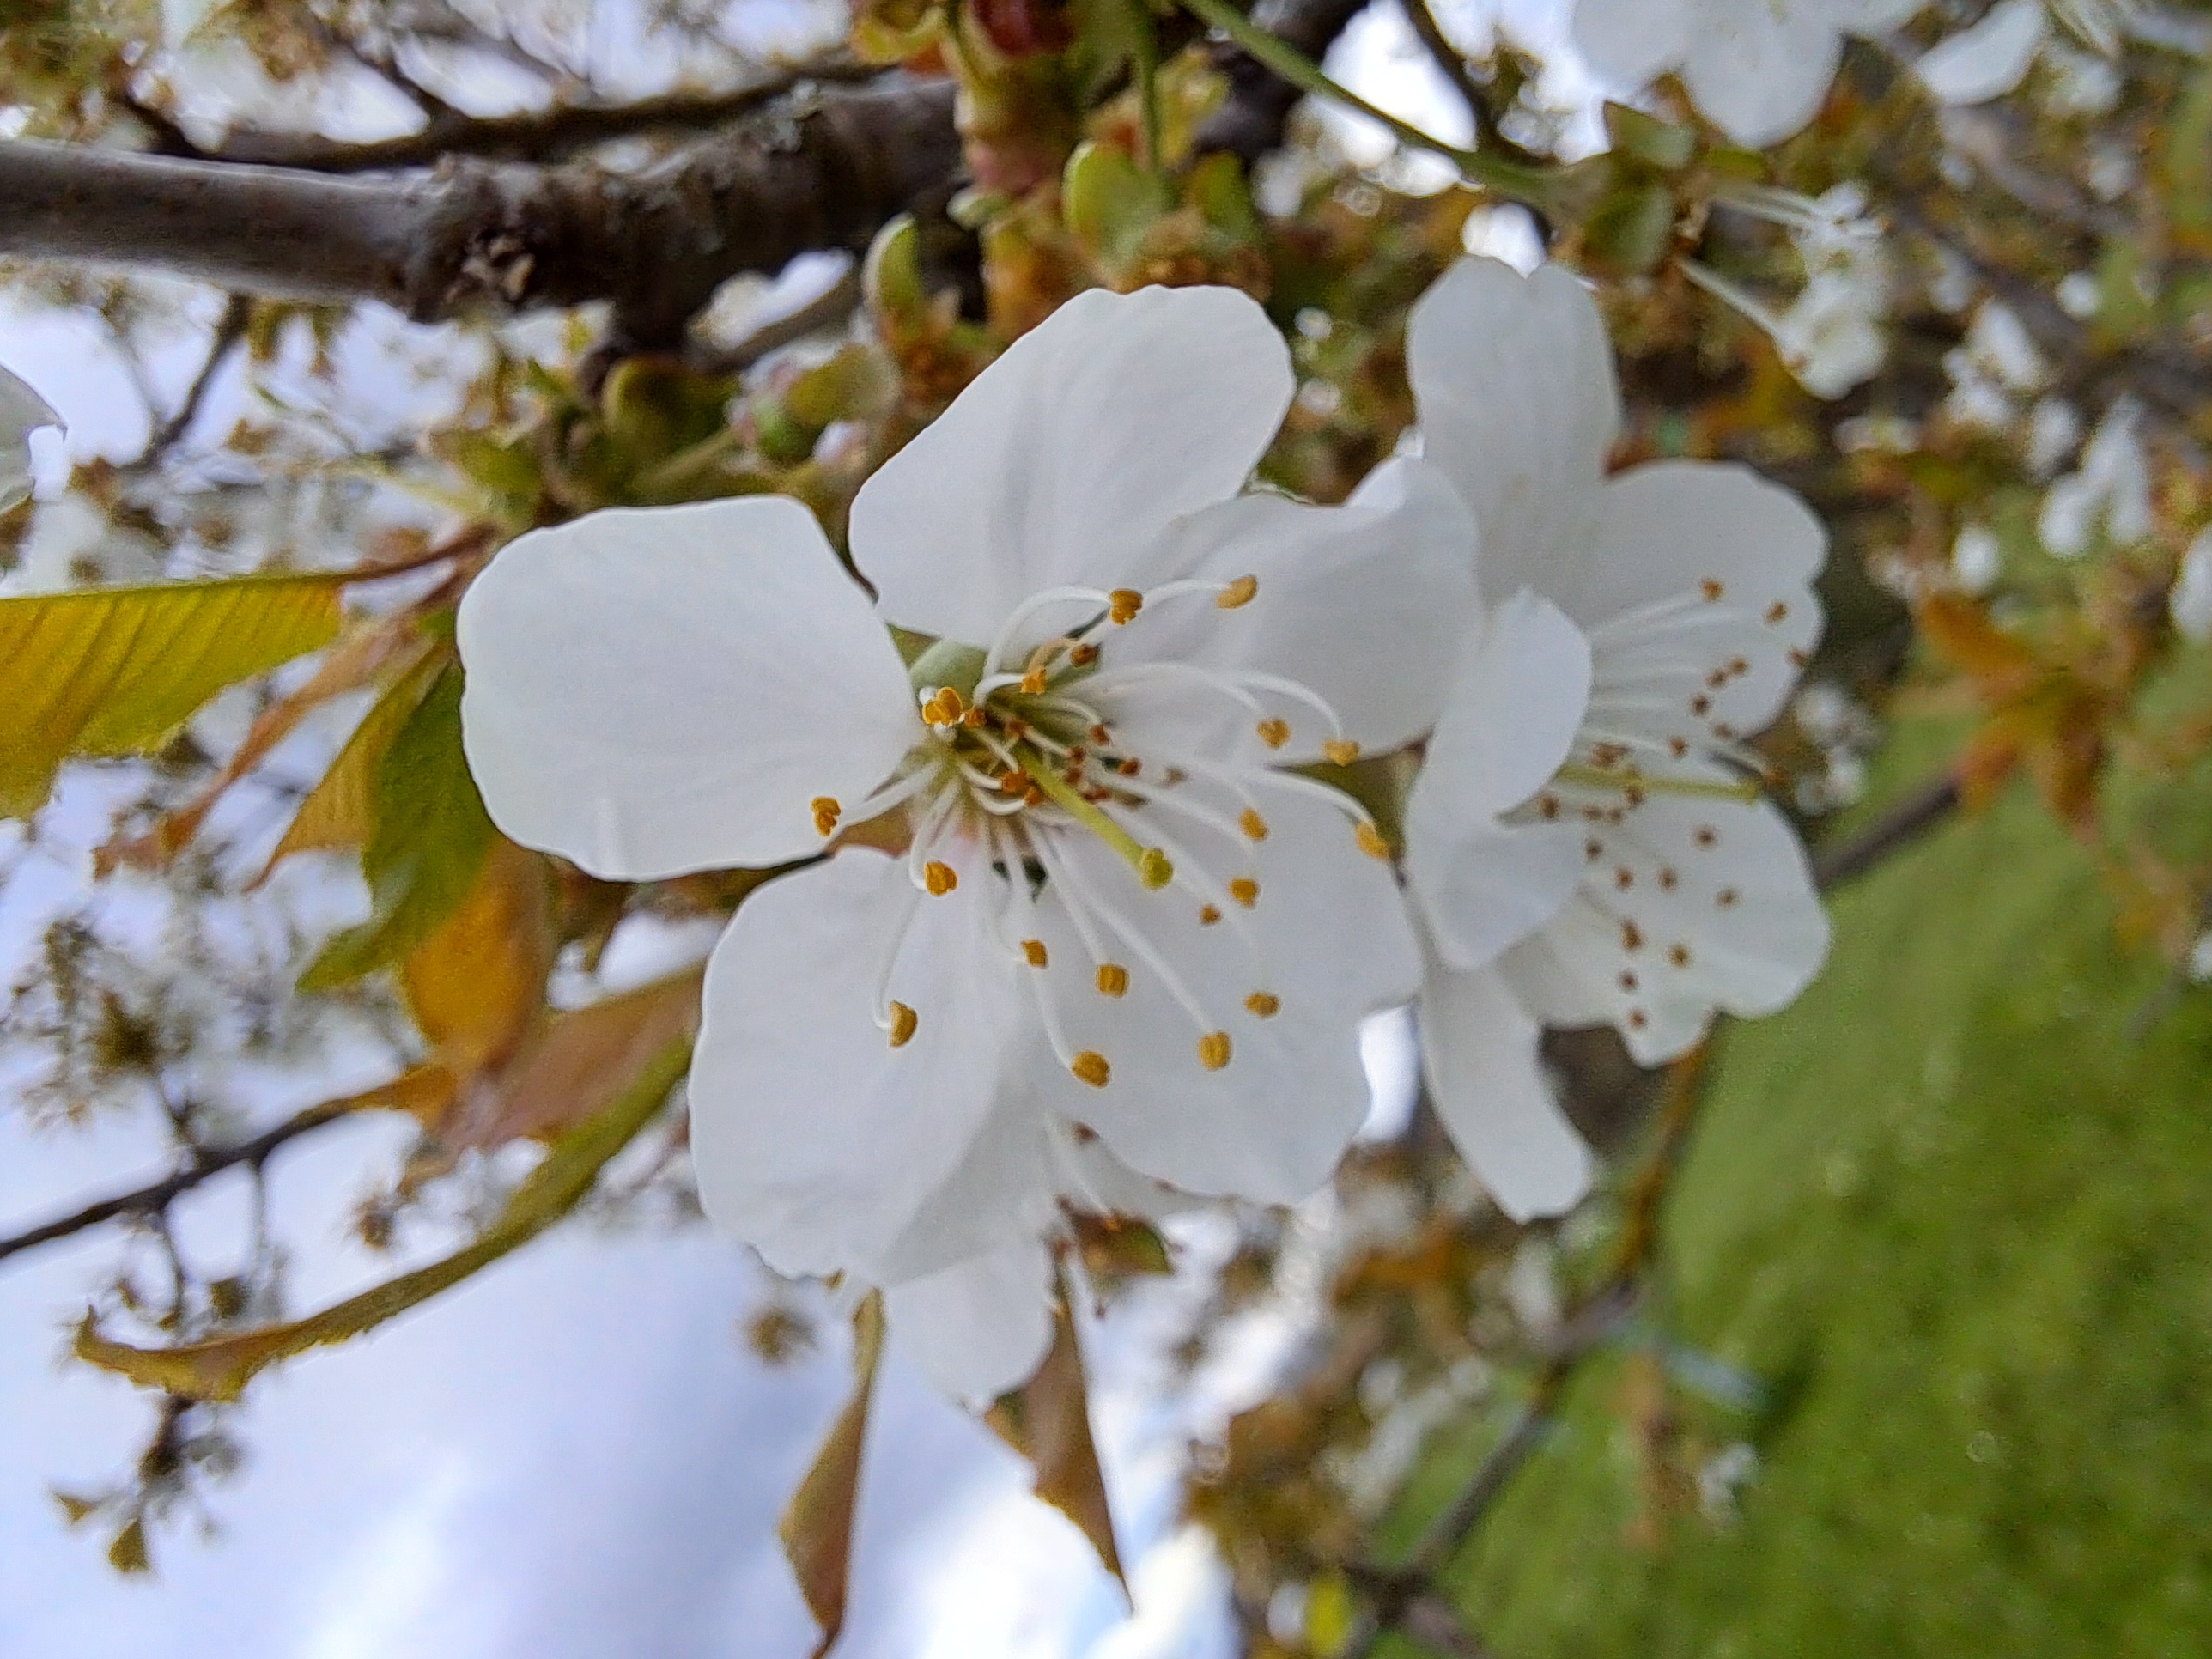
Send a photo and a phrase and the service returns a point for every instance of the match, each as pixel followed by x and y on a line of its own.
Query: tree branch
pixel 1251 120
pixel 1904 823
pixel 151 1199
pixel 815 170
pixel 545 134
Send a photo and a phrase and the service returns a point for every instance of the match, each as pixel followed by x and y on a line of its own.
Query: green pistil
pixel 1151 864
pixel 1590 777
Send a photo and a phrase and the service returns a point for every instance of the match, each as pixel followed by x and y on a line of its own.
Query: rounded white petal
pixel 22 412
pixel 1515 707
pixel 2190 604
pixel 1759 69
pixel 1327 937
pixel 815 1140
pixel 1988 60
pixel 1479 1049
pixel 1513 379
pixel 666 690
pixel 1871 17
pixel 978 1327
pixel 1629 42
pixel 1367 605
pixel 1717 911
pixel 1067 458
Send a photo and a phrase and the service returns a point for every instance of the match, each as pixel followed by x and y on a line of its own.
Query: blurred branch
pixel 815 170
pixel 826 310
pixel 1904 823
pixel 1451 63
pixel 1405 1596
pixel 1251 119
pixel 153 1198
pixel 229 329
pixel 546 135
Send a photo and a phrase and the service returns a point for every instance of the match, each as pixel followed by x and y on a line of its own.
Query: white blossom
pixel 1113 917
pixel 1976 558
pixel 2190 603
pixel 2106 498
pixel 22 412
pixel 1994 55
pixel 1758 69
pixel 1645 624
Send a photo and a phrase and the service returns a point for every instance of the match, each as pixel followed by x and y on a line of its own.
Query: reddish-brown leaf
pixel 1048 1421
pixel 817 1528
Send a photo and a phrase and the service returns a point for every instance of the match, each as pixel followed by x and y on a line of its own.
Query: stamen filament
pixel 1613 783
pixel 1151 864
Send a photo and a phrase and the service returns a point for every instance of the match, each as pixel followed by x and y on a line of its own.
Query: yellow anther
pixel 1214 1050
pixel 1154 869
pixel 1082 655
pixel 1266 1004
pixel 975 717
pixel 1112 979
pixel 1208 915
pixel 1371 841
pixel 1123 604
pixel 1013 783
pixel 1252 824
pixel 1034 683
pixel 1245 891
pixel 1239 592
pixel 939 877
pixel 903 1020
pixel 826 814
pixel 1034 951
pixel 1274 734
pixel 1089 1066
pixel 1340 751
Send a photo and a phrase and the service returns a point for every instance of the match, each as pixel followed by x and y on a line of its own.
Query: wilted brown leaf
pixel 476 983
pixel 817 1528
pixel 1048 1421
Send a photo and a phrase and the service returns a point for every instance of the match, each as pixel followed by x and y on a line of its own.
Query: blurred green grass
pixel 1954 1213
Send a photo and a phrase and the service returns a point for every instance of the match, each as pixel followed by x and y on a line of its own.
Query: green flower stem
pixel 1590 777
pixel 1151 864
pixel 1145 55
pixel 1513 179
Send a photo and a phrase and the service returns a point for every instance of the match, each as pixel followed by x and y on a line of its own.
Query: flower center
pixel 1042 736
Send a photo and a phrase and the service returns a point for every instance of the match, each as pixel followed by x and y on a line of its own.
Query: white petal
pixel 1872 17
pixel 1629 42
pixel 1366 604
pixel 661 690
pixel 1515 707
pixel 22 412
pixel 815 1140
pixel 1989 59
pixel 1717 912
pixel 1513 378
pixel 979 1327
pixel 1479 1049
pixel 1067 459
pixel 1329 937
pixel 1759 69
pixel 2190 605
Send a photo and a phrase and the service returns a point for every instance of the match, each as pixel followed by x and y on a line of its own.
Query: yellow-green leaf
pixel 220 1369
pixel 816 1529
pixel 117 671
pixel 476 983
pixel 340 810
pixel 128 1554
pixel 429 837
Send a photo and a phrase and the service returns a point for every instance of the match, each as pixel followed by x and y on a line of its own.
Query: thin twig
pixel 229 329
pixel 1904 823
pixel 825 310
pixel 152 1198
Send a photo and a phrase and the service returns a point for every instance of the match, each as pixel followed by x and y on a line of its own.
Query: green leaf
pixel 817 1528
pixel 221 1367
pixel 428 835
pixel 1110 203
pixel 340 811
pixel 117 671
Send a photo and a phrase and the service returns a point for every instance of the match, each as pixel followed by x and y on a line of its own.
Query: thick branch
pixel 817 170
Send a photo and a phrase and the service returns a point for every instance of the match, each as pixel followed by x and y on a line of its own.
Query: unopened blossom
pixel 1834 336
pixel 1111 910
pixel 1758 69
pixel 2106 500
pixel 1653 883
pixel 22 412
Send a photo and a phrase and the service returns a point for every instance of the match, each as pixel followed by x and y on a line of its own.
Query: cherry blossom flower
pixel 1655 887
pixel 1994 56
pixel 1113 914
pixel 2106 500
pixel 1758 69
pixel 22 412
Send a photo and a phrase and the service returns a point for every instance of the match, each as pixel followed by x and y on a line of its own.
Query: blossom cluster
pixel 1083 916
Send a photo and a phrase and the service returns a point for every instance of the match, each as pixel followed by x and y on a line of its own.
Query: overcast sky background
pixel 574 1455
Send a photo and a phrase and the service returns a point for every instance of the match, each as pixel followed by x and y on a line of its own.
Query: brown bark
pixel 817 169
